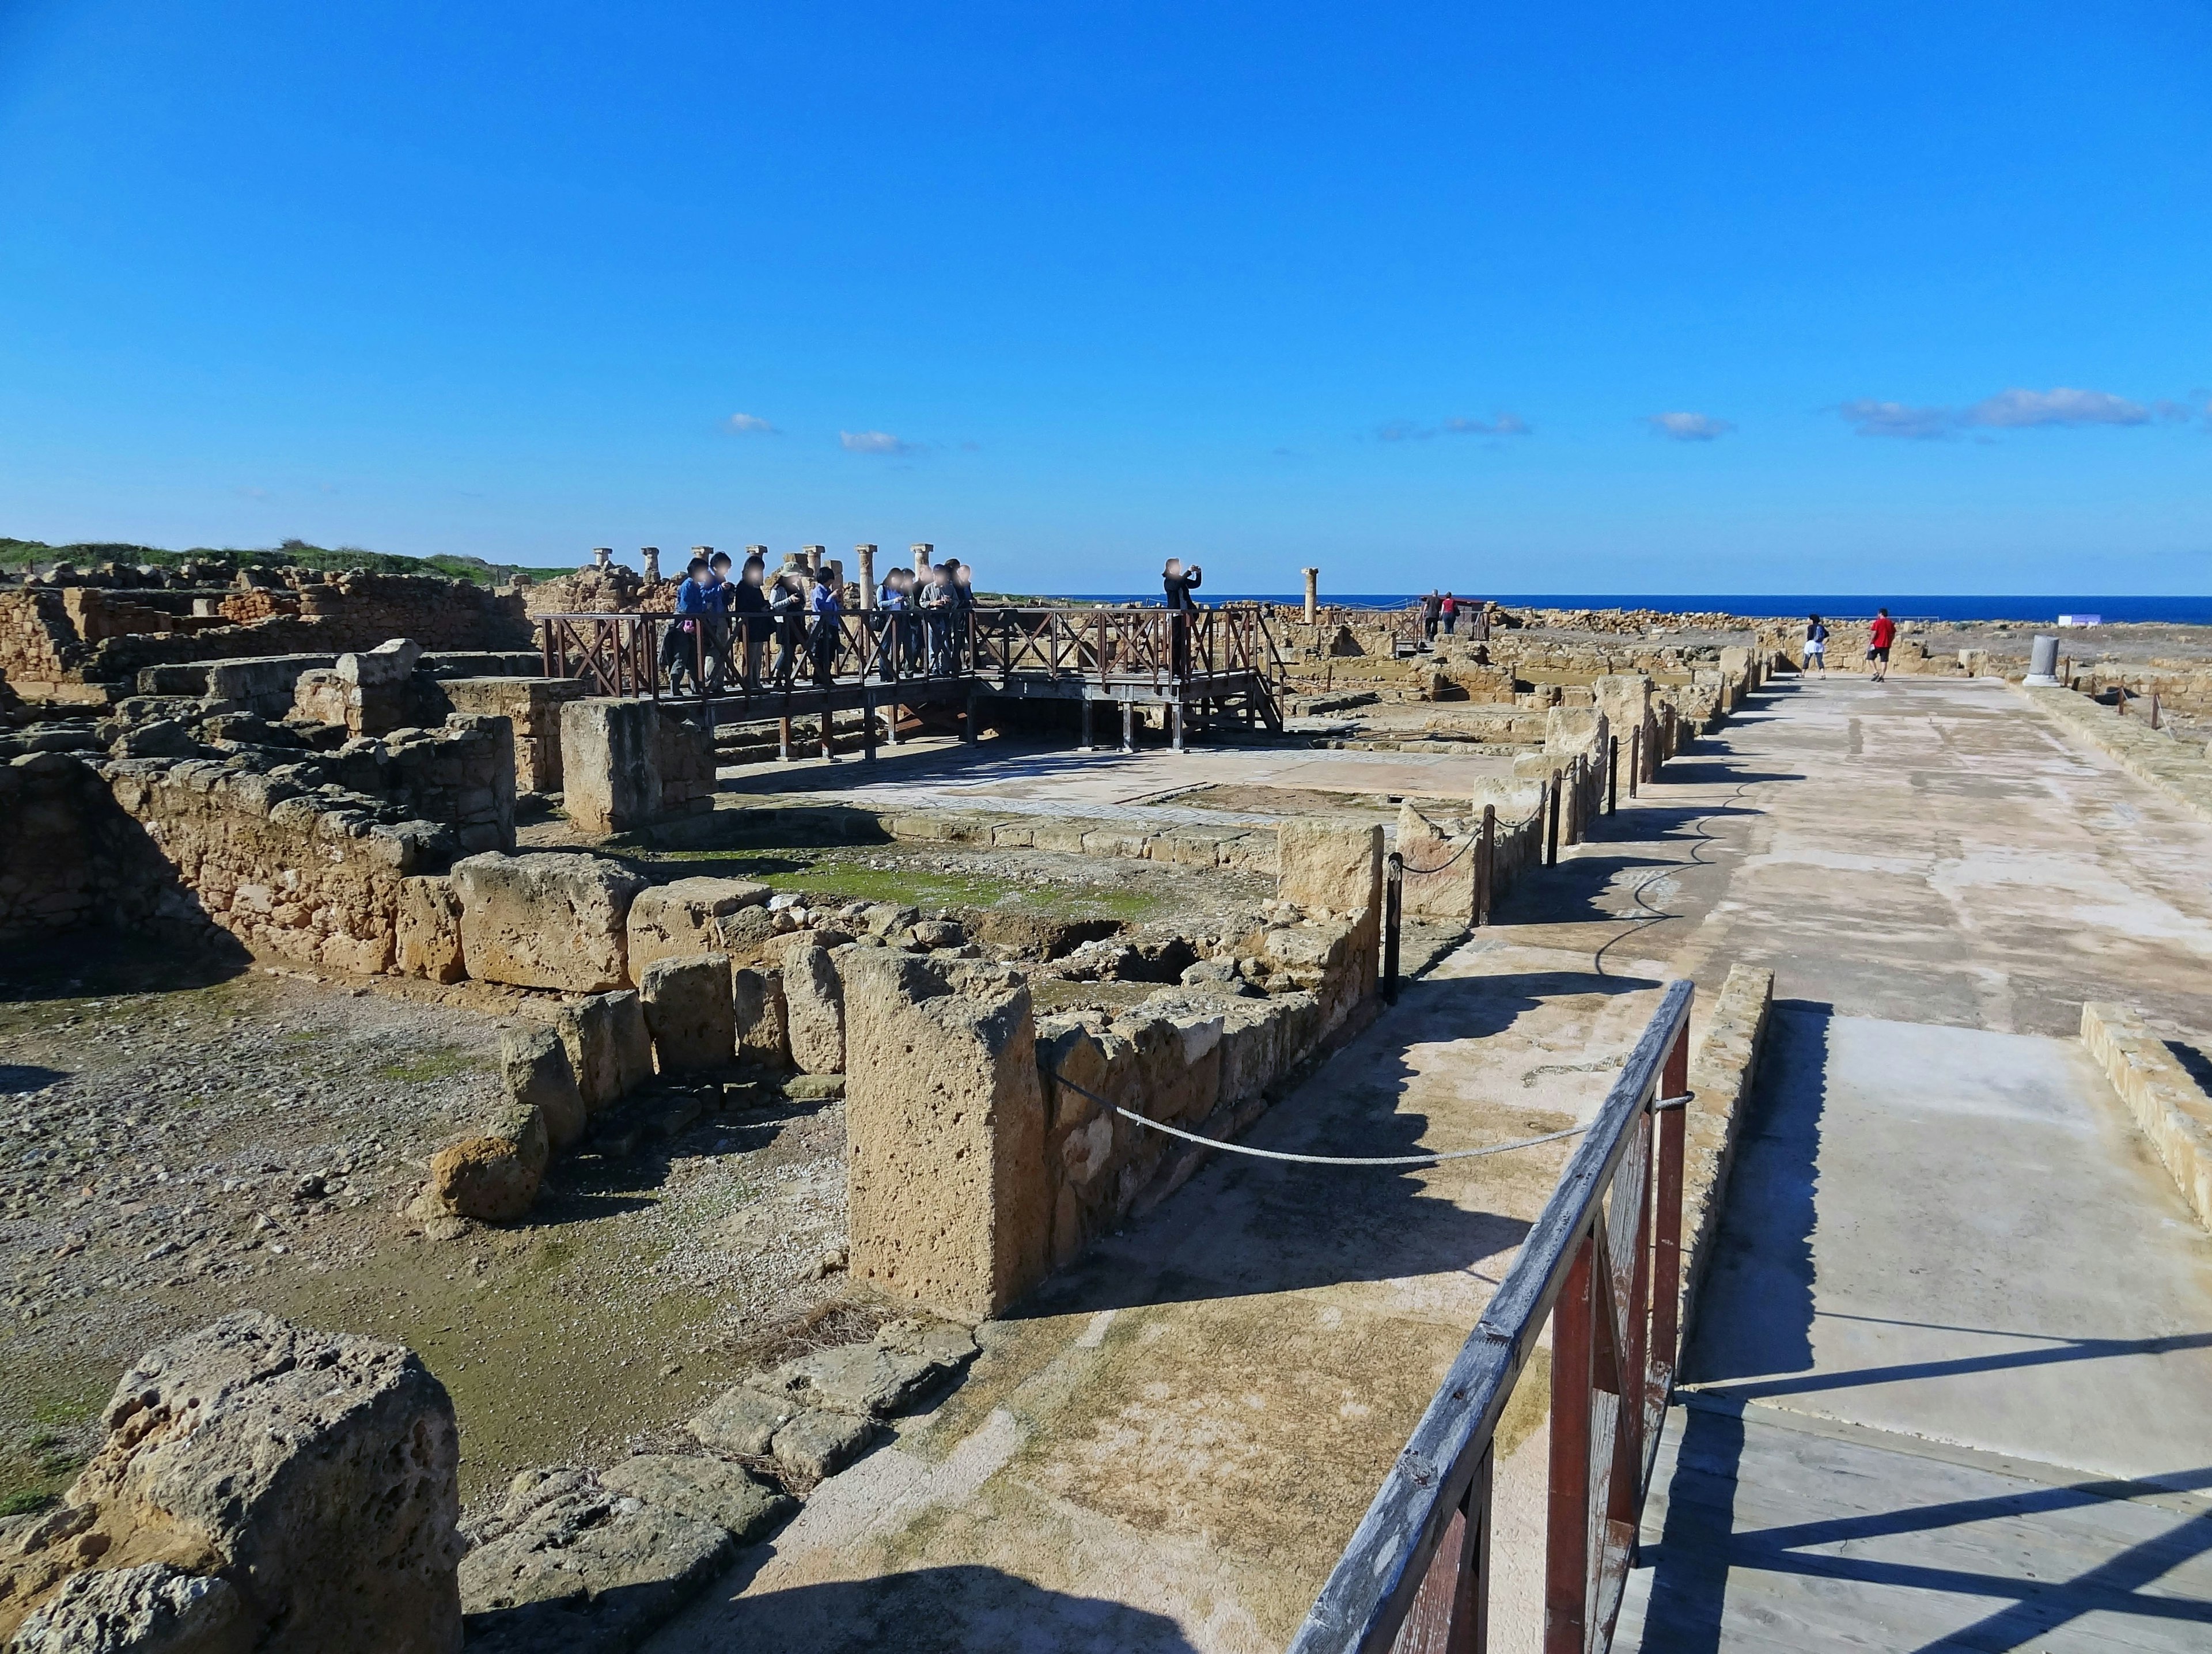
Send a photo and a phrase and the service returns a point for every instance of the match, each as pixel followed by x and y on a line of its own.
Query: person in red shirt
pixel 1880 636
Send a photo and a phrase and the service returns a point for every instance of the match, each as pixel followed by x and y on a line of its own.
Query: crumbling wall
pixel 69 856
pixel 305 876
pixel 532 707
pixel 45 653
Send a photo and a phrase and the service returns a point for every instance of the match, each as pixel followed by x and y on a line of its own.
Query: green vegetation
pixel 291 553
pixel 439 1063
pixel 833 876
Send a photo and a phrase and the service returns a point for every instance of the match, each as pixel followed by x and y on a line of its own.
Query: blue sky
pixel 1709 297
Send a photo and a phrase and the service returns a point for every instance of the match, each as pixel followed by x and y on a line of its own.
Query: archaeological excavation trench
pixel 627 1142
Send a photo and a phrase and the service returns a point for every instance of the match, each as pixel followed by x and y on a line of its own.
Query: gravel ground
pixel 183 1138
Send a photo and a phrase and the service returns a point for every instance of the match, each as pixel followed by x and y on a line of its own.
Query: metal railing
pixel 1604 1263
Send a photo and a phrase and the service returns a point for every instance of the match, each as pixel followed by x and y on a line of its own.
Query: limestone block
pixel 492 1173
pixel 687 916
pixel 1323 863
pixel 689 1011
pixel 1440 866
pixel 539 1075
pixel 819 1445
pixel 742 1421
pixel 945 1123
pixel 814 1009
pixel 315 1475
pixel 627 763
pixel 428 929
pixel 154 1608
pixel 609 1046
pixel 546 921
pixel 382 667
pixel 757 1010
pixel 872 1378
pixel 703 1489
pixel 587 1569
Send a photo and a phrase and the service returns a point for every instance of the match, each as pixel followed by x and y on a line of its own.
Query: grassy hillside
pixel 298 554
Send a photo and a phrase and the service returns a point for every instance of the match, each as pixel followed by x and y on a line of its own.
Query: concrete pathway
pixel 1167 1449
pixel 1952 1373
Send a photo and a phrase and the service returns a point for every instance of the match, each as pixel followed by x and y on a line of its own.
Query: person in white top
pixel 1816 646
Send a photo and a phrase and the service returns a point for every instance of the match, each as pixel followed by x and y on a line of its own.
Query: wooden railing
pixel 1604 1262
pixel 620 653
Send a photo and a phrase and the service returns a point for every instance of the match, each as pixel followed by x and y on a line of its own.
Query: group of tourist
pixel 920 624
pixel 1439 609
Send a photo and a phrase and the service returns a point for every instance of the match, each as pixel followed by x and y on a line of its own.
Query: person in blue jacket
pixel 695 604
pixel 828 635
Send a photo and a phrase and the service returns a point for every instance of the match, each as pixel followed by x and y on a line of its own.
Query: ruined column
pixel 760 552
pixel 1313 595
pixel 812 556
pixel 923 551
pixel 602 555
pixel 650 555
pixel 2043 660
pixel 866 555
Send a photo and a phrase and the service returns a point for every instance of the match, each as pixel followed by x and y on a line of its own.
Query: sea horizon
pixel 2028 609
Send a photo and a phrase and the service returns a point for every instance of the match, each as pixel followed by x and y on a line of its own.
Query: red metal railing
pixel 1604 1262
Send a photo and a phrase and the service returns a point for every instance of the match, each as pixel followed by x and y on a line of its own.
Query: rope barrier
pixel 1656 1103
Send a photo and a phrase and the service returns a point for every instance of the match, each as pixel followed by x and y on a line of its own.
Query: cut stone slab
pixel 557 920
pixel 874 1378
pixel 814 1002
pixel 590 1570
pixel 704 1490
pixel 742 1421
pixel 609 1046
pixel 539 1075
pixel 688 1010
pixel 822 1443
pixel 813 1087
pixel 757 1004
pixel 691 916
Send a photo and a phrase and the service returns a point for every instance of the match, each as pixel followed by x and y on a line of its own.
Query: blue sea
pixel 2037 611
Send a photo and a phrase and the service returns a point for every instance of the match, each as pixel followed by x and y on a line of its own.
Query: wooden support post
pixel 1128 726
pixel 1552 822
pixel 867 726
pixel 1612 774
pixel 968 721
pixel 890 721
pixel 1174 720
pixel 1567 1517
pixel 829 743
pixel 1635 758
pixel 1086 746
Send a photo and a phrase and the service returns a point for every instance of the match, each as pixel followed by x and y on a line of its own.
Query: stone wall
pixel 48 655
pixel 2179 768
pixel 981 1152
pixel 531 707
pixel 2167 1102
pixel 69 856
pixel 312 876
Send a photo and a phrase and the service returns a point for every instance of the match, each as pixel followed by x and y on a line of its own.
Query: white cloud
pixel 1688 428
pixel 2061 406
pixel 1505 425
pixel 1897 419
pixel 749 425
pixel 874 442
